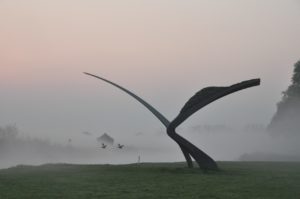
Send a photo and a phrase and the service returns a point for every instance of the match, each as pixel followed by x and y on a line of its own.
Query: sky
pixel 164 51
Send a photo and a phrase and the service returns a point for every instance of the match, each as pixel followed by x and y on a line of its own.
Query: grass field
pixel 157 180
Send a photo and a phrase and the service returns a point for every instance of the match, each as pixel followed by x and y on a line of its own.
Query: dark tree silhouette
pixel 287 117
pixel 198 101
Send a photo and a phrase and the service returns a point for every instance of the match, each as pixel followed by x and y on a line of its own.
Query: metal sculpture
pixel 198 101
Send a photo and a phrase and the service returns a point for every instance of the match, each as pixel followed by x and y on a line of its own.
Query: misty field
pixel 165 180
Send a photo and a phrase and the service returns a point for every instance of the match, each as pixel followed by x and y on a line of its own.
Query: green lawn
pixel 170 180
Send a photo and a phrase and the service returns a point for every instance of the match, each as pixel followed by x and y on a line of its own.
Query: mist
pixel 224 143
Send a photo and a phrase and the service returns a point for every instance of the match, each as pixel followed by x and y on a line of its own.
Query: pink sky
pixel 163 50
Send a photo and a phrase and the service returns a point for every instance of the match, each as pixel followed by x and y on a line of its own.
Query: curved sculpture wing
pixel 153 110
pixel 209 95
pixel 198 101
pixel 148 106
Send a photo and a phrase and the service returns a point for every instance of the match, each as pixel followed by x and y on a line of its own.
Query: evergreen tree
pixel 286 120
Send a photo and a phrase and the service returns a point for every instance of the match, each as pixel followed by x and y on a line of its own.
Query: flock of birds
pixel 103 145
pixel 120 146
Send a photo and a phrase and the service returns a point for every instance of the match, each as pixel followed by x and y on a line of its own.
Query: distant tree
pixel 8 132
pixel 286 120
pixel 8 135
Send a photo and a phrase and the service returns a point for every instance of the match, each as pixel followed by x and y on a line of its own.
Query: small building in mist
pixel 106 139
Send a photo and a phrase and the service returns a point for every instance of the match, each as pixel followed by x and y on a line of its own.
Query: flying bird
pixel 103 146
